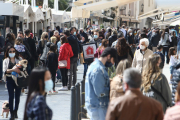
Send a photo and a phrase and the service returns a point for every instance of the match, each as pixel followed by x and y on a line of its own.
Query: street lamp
pixel 142 7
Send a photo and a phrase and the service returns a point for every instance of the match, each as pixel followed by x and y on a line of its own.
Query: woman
pixel 141 55
pixel 174 112
pixel 10 40
pixel 11 59
pixel 103 46
pixel 65 53
pixel 53 40
pixel 36 107
pixel 22 50
pixel 130 38
pixel 116 88
pixel 165 42
pixel 155 84
pixel 123 50
pixel 43 41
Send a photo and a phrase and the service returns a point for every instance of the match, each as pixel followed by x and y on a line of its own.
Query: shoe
pixel 63 89
pixel 55 92
pixel 50 93
pixel 15 114
pixel 12 116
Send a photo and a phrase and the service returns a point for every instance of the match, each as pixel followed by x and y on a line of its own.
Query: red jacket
pixel 65 53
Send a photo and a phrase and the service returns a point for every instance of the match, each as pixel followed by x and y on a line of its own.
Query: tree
pixel 63 4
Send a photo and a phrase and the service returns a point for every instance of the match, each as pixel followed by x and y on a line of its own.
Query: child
pixel 173 60
pixel 159 49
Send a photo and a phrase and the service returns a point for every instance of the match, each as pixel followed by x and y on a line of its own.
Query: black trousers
pixel 64 76
pixel 165 52
pixel 53 74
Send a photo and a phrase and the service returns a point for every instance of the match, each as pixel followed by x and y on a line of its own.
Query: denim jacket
pixel 97 86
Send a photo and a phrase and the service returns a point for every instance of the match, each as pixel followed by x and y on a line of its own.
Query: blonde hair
pixel 43 38
pixel 53 39
pixel 123 65
pixel 151 72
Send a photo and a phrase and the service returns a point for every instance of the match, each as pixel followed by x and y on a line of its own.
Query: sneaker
pixel 55 92
pixel 50 93
pixel 63 89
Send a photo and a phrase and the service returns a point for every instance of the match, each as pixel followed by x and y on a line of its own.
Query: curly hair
pixel 122 47
pixel 103 45
pixel 151 72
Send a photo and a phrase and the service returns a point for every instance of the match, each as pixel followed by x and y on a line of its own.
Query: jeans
pixel 11 86
pixel 64 76
pixel 72 71
pixel 85 69
pixel 59 74
pixel 1 64
pixel 165 52
pixel 97 113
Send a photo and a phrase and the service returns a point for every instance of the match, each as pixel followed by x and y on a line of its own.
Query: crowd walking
pixel 122 71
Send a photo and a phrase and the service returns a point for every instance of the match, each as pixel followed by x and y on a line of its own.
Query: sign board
pixel 88 51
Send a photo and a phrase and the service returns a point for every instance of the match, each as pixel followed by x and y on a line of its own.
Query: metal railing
pixel 78 101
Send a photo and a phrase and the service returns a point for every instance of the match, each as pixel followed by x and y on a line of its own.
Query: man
pixel 73 66
pixel 123 30
pixel 97 85
pixel 58 29
pixel 20 34
pixel 134 105
pixel 113 37
pixel 82 33
pixel 2 45
pixel 31 46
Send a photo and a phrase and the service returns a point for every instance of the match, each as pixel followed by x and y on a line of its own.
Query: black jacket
pixel 154 41
pixel 41 48
pixel 174 41
pixel 137 39
pixel 112 39
pixel 85 36
pixel 31 46
pixel 130 39
pixel 52 58
pixel 2 44
pixel 74 44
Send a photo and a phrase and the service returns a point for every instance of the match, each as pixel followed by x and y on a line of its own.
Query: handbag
pixel 63 63
pixel 22 81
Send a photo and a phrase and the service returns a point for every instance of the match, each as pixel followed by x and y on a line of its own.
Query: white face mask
pixel 142 47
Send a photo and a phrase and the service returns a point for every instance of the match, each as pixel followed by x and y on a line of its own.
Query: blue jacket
pixel 97 86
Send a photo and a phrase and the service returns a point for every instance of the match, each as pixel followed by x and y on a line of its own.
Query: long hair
pixel 11 37
pixel 19 41
pixel 36 76
pixel 122 47
pixel 151 72
pixel 103 45
pixel 177 98
pixel 7 52
pixel 123 65
pixel 171 51
pixel 43 38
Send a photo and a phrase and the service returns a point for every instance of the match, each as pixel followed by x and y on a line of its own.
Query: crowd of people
pixel 137 89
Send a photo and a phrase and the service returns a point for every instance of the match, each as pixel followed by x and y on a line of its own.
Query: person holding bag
pixel 65 53
pixel 36 107
pixel 11 59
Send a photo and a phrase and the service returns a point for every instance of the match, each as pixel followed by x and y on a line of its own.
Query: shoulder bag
pixel 63 63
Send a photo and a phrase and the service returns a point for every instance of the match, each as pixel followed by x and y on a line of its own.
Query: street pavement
pixel 59 103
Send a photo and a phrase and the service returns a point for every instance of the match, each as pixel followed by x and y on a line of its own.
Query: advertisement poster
pixel 89 51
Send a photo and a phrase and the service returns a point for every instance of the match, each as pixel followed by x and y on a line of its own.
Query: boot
pixel 15 114
pixel 12 116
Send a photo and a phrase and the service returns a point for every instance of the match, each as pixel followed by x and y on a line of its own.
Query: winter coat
pixel 65 53
pixel 74 45
pixel 112 39
pixel 161 85
pixel 154 41
pixel 140 59
pixel 116 88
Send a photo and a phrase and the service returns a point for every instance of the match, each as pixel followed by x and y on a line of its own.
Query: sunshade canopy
pixel 60 16
pixel 28 13
pixel 38 14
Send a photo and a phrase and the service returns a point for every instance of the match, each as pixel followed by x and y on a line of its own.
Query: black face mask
pixel 108 64
pixel 46 36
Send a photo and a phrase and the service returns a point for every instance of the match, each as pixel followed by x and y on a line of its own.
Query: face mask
pixel 108 64
pixel 11 55
pixel 95 36
pixel 74 33
pixel 130 33
pixel 46 36
pixel 49 29
pixel 65 28
pixel 142 47
pixel 48 85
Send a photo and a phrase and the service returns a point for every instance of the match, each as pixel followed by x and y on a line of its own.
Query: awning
pixel 60 16
pixel 28 13
pixel 104 4
pixel 79 13
pixel 175 23
pixel 38 14
pixel 81 2
pixel 11 9
pixel 47 12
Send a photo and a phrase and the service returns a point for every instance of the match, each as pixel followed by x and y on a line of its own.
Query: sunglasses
pixel 11 51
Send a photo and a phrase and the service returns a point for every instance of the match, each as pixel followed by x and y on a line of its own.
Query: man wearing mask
pixel 97 85
pixel 31 46
pixel 82 33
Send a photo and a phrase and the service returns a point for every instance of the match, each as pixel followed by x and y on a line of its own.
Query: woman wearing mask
pixel 154 83
pixel 141 55
pixel 43 41
pixel 11 59
pixel 36 107
pixel 165 42
pixel 116 88
pixel 52 64
pixel 65 53
pixel 123 50
pixel 103 46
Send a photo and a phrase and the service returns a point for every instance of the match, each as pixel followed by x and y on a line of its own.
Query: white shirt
pixel 173 60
